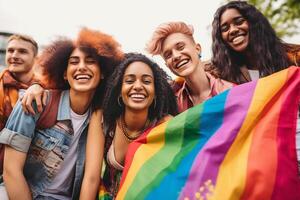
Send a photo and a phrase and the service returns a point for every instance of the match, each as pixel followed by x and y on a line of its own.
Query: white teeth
pixel 183 62
pixel 238 40
pixel 139 96
pixel 82 76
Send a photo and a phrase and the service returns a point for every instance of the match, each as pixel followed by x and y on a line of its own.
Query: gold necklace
pixel 125 131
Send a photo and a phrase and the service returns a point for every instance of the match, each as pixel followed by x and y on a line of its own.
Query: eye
pixel 73 61
pixel 10 50
pixel 224 28
pixel 167 55
pixel 239 21
pixel 129 81
pixel 147 82
pixel 180 46
pixel 23 51
pixel 90 61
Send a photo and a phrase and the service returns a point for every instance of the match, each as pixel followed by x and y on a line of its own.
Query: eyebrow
pixel 16 48
pixel 237 17
pixel 133 75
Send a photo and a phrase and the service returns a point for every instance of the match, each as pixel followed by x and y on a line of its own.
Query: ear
pixel 198 48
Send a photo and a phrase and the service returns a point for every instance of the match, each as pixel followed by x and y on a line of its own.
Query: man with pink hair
pixel 174 42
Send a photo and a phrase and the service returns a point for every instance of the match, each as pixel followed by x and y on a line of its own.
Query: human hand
pixel 34 93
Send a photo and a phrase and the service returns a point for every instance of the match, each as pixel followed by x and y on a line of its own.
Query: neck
pixel 250 61
pixel 80 101
pixel 198 83
pixel 24 77
pixel 135 121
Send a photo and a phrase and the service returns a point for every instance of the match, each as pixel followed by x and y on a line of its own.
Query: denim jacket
pixel 47 148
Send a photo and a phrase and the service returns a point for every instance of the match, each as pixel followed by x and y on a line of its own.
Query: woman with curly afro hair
pixel 58 154
pixel 245 46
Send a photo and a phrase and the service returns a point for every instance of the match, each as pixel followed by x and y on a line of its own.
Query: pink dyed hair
pixel 154 46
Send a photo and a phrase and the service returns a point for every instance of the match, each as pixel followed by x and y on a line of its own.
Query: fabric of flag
pixel 103 194
pixel 237 145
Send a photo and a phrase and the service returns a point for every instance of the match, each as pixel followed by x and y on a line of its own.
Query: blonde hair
pixel 27 39
pixel 154 46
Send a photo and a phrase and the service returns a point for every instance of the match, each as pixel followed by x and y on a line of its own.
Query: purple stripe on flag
pixel 207 162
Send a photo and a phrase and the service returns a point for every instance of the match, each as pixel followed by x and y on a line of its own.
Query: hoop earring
pixel 119 101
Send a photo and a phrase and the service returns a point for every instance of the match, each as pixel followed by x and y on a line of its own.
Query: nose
pixel 176 55
pixel 81 66
pixel 233 30
pixel 14 54
pixel 137 85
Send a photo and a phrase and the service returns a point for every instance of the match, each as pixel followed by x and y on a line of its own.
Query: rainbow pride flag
pixel 237 145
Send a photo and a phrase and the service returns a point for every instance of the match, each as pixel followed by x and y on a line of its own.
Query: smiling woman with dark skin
pixel 245 47
pixel 244 40
pixel 138 98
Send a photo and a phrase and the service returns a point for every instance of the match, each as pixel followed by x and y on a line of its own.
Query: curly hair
pixel 154 46
pixel 102 47
pixel 267 49
pixel 165 98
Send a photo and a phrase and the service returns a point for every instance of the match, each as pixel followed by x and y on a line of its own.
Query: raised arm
pixel 15 182
pixel 94 158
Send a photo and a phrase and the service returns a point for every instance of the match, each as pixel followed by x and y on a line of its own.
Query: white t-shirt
pixel 254 74
pixel 61 186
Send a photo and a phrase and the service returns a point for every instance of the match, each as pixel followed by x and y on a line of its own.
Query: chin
pixel 83 89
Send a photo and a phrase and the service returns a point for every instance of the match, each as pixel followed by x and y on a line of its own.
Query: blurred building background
pixel 3 42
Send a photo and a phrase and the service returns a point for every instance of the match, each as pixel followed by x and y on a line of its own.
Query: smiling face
pixel 138 90
pixel 83 72
pixel 19 56
pixel 234 30
pixel 181 54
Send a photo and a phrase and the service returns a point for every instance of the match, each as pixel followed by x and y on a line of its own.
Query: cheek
pixel 151 90
pixel 168 62
pixel 224 36
pixel 124 90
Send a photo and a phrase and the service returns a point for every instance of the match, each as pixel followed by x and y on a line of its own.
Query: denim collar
pixel 64 106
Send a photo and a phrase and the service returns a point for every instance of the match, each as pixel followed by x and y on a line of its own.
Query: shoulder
pixel 97 115
pixel 165 118
pixel 210 68
pixel 218 85
pixel 293 54
pixel 177 84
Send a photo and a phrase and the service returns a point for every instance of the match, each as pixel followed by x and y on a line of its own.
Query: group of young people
pixel 102 99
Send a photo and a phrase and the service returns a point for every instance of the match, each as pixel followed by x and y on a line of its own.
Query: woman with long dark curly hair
pixel 138 98
pixel 245 46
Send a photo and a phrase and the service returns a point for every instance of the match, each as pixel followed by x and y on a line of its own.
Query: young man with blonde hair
pixel 175 43
pixel 20 57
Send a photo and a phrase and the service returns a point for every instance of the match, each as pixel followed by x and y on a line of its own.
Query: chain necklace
pixel 129 137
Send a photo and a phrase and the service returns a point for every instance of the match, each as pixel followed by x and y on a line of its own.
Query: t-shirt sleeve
pixel 19 129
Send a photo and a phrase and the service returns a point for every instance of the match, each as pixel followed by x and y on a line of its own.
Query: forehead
pixel 175 38
pixel 229 14
pixel 138 68
pixel 77 53
pixel 20 44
